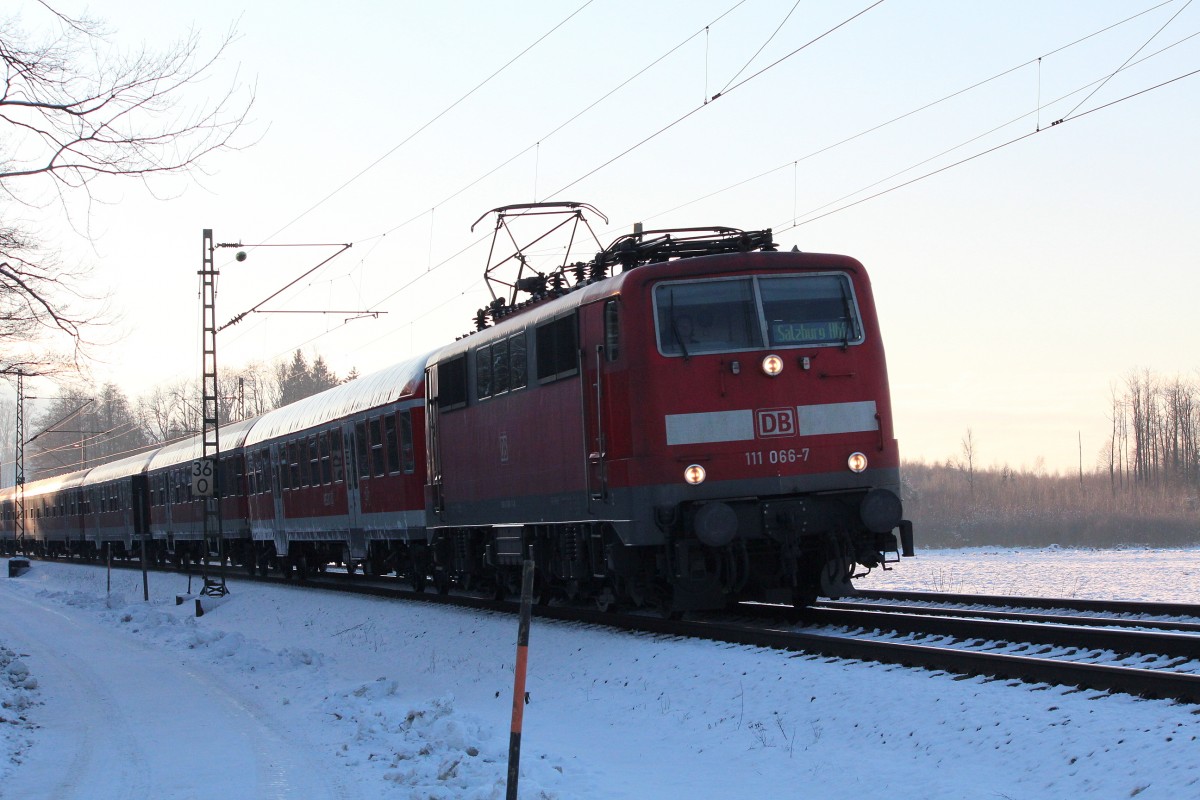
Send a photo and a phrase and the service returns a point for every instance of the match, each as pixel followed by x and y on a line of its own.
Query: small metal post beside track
pixel 519 696
pixel 145 575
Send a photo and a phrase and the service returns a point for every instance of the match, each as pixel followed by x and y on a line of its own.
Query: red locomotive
pixel 688 420
pixel 711 424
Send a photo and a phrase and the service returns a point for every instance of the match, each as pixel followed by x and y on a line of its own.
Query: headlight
pixel 694 474
pixel 857 462
pixel 772 365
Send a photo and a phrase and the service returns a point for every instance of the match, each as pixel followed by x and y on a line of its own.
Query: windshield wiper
pixel 845 310
pixel 675 327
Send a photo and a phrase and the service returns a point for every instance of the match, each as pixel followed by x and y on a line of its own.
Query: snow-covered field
pixel 1162 576
pixel 285 693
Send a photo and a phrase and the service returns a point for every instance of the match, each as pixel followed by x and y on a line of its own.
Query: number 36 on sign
pixel 202 477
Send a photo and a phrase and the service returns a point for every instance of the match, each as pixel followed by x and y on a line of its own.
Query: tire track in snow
pixel 89 731
pixel 122 720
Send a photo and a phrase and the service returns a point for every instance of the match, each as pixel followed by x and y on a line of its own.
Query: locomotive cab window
pixel 728 315
pixel 808 310
pixel 452 383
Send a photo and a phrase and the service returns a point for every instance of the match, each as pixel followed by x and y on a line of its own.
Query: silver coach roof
pixel 377 389
pixel 57 483
pixel 130 465
pixel 185 451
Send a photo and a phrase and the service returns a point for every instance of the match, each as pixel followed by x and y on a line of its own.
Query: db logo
pixel 770 422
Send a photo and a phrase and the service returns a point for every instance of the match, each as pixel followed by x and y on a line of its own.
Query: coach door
pixel 433 445
pixel 597 326
pixel 353 442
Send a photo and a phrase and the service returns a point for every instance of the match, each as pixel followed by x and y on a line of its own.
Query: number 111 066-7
pixel 756 458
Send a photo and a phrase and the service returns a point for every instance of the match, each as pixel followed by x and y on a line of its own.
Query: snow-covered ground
pixel 285 693
pixel 1162 576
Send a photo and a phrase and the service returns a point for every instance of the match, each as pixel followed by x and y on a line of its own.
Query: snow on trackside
pixel 409 700
pixel 18 691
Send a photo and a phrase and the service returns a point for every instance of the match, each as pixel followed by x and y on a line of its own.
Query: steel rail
pixel 1076 604
pixel 1065 619
pixel 1057 634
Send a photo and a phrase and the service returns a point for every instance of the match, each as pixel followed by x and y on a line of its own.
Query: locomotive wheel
pixel 605 601
pixel 441 582
pixel 418 581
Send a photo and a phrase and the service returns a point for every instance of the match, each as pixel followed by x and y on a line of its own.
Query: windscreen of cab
pixel 725 315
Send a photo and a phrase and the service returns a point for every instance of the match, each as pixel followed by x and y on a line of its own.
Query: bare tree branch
pixel 77 111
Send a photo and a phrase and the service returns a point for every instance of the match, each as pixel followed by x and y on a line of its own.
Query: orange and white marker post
pixel 518 708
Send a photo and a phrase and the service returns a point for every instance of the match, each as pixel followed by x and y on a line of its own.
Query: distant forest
pixel 1145 490
pixel 86 425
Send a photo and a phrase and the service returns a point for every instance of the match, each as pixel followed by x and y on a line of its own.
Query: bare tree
pixel 77 111
pixel 967 465
pixel 81 428
pixel 247 392
pixel 170 412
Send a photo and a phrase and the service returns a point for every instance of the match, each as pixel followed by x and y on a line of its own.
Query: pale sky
pixel 1014 289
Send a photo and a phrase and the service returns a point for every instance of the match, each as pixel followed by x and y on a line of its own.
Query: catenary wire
pixel 1135 52
pixel 671 125
pixel 993 149
pixel 913 112
pixel 435 118
pixel 245 331
pixel 987 133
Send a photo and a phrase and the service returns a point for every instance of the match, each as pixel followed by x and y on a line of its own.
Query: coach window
pixel 326 467
pixel 407 457
pixel 335 444
pixel 305 464
pixel 300 457
pixel 361 450
pixel 264 470
pixel 612 330
pixel 314 462
pixel 378 464
pixel 557 355
pixel 393 446
pixel 293 450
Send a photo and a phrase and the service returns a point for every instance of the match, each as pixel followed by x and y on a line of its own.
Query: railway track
pixel 1101 649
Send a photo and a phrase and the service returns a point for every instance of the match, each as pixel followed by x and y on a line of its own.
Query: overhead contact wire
pixel 918 110
pixel 997 147
pixel 667 127
pixel 441 114
pixel 1126 62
